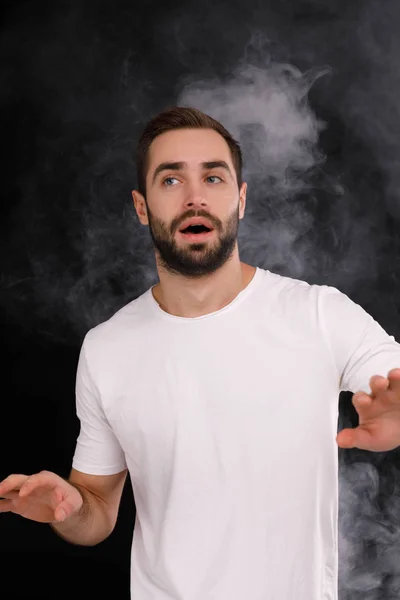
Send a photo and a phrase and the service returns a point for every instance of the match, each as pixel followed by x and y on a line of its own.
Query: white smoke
pixel 266 110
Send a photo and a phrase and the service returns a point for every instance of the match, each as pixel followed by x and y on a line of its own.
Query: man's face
pixel 193 188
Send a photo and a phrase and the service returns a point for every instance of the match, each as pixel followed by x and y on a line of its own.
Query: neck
pixel 184 297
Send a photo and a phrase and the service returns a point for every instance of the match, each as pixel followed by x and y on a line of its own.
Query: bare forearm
pixel 89 526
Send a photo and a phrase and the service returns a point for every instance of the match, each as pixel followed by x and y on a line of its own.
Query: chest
pixel 230 399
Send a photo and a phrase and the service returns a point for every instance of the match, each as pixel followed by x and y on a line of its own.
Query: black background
pixel 78 80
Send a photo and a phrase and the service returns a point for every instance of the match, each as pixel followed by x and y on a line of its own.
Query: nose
pixel 195 196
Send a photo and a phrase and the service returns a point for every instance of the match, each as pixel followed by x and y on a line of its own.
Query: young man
pixel 217 390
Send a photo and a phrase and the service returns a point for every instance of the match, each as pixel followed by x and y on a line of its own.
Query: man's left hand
pixel 379 416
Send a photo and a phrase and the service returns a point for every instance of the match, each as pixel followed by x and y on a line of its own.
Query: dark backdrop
pixel 311 91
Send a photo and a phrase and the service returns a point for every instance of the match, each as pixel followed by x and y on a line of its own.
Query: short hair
pixel 178 117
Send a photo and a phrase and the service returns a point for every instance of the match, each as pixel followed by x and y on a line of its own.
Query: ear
pixel 140 206
pixel 242 199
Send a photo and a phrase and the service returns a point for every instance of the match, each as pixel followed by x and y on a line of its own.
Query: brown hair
pixel 178 117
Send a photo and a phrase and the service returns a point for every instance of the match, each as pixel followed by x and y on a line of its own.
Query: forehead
pixel 188 145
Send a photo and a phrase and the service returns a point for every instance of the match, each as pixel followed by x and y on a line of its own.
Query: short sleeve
pixel 361 348
pixel 98 451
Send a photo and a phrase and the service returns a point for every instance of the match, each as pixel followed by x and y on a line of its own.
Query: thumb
pixel 60 514
pixel 63 511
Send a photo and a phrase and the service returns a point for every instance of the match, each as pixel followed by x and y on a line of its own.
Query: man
pixel 217 390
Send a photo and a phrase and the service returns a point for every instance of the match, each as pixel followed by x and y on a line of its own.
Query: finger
pixel 378 384
pixel 5 505
pixel 7 502
pixel 10 495
pixel 12 482
pixel 32 483
pixel 62 512
pixel 394 380
pixel 361 399
pixel 344 438
pixel 355 438
pixel 71 505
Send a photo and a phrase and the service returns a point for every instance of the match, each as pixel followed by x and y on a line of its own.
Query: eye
pixel 214 177
pixel 164 182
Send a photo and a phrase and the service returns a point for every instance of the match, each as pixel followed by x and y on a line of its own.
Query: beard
pixel 191 259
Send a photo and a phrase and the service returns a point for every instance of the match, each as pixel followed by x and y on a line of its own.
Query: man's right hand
pixel 41 497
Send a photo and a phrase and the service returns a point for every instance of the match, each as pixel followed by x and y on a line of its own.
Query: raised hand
pixel 379 416
pixel 44 497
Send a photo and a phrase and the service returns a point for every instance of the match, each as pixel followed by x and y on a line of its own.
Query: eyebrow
pixel 180 166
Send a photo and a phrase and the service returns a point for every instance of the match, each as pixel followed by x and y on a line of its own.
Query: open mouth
pixel 196 229
pixel 196 232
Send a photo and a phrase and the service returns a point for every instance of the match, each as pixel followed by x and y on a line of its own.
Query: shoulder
pixel 293 289
pixel 119 330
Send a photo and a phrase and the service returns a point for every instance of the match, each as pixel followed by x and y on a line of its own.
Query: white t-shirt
pixel 227 424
